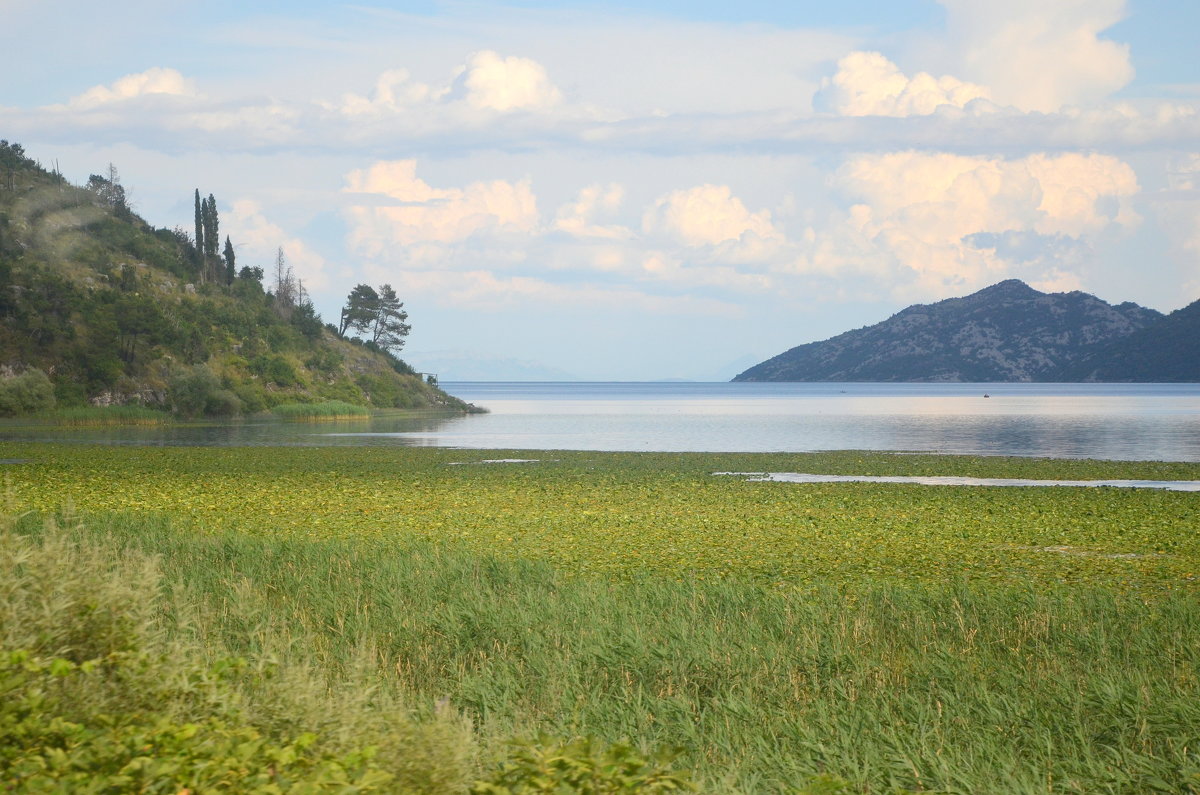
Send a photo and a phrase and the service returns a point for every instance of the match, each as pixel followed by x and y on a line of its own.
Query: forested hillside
pixel 99 307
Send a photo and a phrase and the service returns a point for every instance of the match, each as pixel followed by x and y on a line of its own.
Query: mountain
pixel 1006 332
pixel 1168 351
pixel 98 307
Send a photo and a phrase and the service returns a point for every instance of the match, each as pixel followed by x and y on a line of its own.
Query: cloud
pixel 487 82
pixel 1038 55
pixel 485 291
pixel 156 80
pixel 495 82
pixel 420 213
pixel 706 215
pixel 1178 214
pixel 868 84
pixel 666 267
pixel 578 218
pixel 952 222
pixel 258 239
pixel 395 90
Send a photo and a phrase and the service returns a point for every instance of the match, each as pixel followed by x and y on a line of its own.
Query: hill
pixel 1006 332
pixel 1168 351
pixel 102 308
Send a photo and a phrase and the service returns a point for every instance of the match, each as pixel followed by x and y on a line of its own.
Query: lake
pixel 1112 421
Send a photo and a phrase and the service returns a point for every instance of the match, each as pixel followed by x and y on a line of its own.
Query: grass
pixel 623 515
pixel 316 412
pixel 106 415
pixel 775 632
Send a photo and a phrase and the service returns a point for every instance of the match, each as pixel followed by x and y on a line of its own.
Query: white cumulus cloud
pixel 706 215
pixel 507 83
pixel 927 213
pixel 1039 55
pixel 579 218
pixel 411 211
pixel 258 240
pixel 868 84
pixel 156 80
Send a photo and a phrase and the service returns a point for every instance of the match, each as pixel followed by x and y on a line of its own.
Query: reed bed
pixel 106 415
pixel 329 410
pixel 835 638
pixel 951 688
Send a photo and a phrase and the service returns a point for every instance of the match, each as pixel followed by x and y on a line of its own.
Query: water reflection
pixel 391 428
pixel 1113 421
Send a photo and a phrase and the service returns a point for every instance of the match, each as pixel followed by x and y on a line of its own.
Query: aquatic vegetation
pixel 106 415
pixel 326 410
pixel 783 636
pixel 624 515
pixel 891 688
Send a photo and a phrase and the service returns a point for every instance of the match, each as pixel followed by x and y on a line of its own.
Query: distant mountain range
pixel 1006 332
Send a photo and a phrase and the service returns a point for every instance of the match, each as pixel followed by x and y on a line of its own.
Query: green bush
pixel 582 765
pixel 275 369
pixel 197 391
pixel 27 393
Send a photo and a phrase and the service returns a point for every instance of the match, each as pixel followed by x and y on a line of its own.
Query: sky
pixel 639 191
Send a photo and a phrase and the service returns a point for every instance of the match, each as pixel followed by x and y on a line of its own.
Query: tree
pixel 287 290
pixel 230 270
pixel 360 310
pixel 212 237
pixel 199 226
pixel 109 190
pixel 389 328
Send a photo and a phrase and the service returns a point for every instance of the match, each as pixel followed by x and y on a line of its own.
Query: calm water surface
pixel 1113 421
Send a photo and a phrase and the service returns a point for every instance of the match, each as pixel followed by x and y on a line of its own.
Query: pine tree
pixel 362 306
pixel 390 328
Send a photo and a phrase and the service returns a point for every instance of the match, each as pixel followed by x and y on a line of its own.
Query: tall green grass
pixel 955 688
pixel 327 410
pixel 106 415
pixel 116 679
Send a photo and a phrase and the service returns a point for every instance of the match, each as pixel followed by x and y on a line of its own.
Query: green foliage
pixel 327 410
pixel 583 766
pixel 275 369
pixel 107 415
pixel 306 320
pixel 106 305
pixel 27 393
pixel 97 694
pixel 196 391
pixel 892 637
pixel 359 311
pixel 379 316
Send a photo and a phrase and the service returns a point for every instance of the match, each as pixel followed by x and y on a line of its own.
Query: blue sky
pixel 639 191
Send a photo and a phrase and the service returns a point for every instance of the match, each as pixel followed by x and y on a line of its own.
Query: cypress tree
pixel 200 233
pixel 229 268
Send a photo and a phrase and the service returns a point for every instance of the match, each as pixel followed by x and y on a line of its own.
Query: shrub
pixel 197 391
pixel 275 369
pixel 26 393
pixel 582 765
